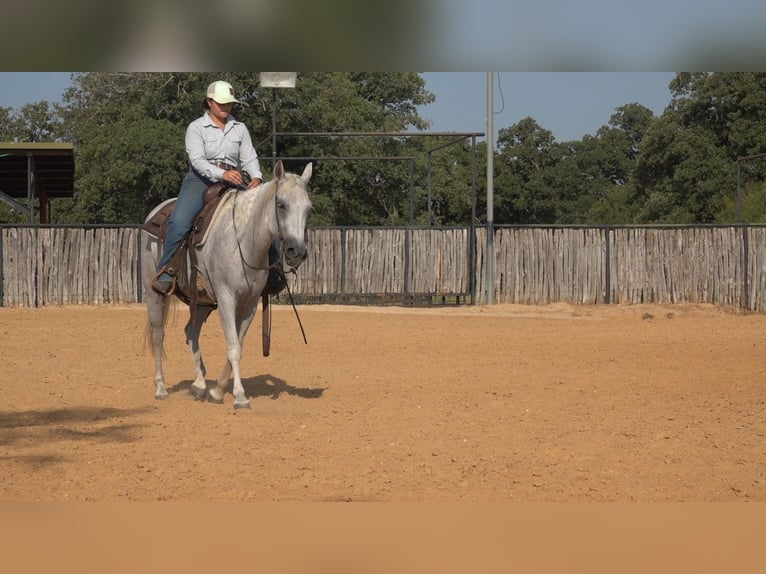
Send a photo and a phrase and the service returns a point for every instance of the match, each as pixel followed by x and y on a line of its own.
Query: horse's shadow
pixel 266 385
pixel 270 386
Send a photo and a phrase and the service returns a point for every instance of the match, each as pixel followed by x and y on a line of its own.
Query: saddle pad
pixel 211 220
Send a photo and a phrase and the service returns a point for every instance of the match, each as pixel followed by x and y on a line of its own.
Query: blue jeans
pixel 188 205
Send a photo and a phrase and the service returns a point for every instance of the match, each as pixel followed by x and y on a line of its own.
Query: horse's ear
pixel 307 173
pixel 279 170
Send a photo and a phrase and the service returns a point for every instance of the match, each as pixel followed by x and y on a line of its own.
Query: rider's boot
pixel 163 283
pixel 276 282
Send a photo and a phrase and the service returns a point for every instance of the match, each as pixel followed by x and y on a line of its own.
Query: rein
pixel 277 265
pixel 239 245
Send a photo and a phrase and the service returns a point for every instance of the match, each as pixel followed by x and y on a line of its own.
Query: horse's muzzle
pixel 295 252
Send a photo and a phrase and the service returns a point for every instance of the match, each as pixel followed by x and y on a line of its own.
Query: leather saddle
pixel 190 287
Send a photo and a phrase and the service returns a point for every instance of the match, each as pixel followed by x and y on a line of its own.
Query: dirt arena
pixel 501 403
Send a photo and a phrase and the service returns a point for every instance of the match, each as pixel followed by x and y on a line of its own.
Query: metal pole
pixel 739 180
pixel 490 192
pixel 139 275
pixel 2 279
pixel 412 191
pixel 739 192
pixel 430 217
pixel 472 226
pixel 31 187
pixel 274 128
pixel 746 264
pixel 608 265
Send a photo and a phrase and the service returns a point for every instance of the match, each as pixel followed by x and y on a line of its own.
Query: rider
pixel 220 150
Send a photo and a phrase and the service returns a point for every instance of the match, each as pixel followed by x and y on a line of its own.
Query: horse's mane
pixel 247 202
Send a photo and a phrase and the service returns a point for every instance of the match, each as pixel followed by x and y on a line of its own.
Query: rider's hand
pixel 233 177
pixel 255 182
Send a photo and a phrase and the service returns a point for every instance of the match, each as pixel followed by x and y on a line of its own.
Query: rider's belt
pixel 225 166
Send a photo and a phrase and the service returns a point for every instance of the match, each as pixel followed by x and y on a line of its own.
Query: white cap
pixel 221 92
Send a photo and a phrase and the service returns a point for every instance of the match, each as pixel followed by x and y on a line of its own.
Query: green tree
pixel 606 165
pixel 681 176
pixel 32 123
pixel 687 170
pixel 38 122
pixel 128 131
pixel 680 167
pixel 354 191
pixel 451 174
pixel 8 125
pixel 540 180
pixel 526 152
pixel 752 207
pixel 730 106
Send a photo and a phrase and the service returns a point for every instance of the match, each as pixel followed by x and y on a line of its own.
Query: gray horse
pixel 233 263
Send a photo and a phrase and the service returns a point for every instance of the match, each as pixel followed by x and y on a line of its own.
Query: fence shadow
pixel 46 426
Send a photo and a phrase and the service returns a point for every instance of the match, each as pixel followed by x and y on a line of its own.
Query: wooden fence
pixel 722 265
pixel 68 265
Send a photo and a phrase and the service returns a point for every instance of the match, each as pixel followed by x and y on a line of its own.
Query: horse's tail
pixel 167 304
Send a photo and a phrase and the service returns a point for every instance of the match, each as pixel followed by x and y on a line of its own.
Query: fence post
pixel 139 278
pixel 343 238
pixel 2 272
pixel 407 246
pixel 608 265
pixel 746 264
pixel 472 261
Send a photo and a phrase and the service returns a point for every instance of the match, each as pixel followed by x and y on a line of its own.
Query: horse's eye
pixel 281 205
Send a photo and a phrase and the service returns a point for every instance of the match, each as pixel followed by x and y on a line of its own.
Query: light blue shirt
pixel 207 145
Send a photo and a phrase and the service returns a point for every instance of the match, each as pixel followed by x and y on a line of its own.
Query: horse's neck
pixel 254 211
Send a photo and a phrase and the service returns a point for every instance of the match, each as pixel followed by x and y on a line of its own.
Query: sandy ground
pixel 501 403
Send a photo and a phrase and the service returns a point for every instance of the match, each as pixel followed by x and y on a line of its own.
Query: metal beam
pixel 18 206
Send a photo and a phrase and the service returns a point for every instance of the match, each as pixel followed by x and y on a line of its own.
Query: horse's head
pixel 293 206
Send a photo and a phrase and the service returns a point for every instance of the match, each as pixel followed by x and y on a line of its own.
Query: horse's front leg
pixel 240 400
pixel 234 328
pixel 199 386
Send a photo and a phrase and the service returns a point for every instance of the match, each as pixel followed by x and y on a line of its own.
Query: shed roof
pixel 52 166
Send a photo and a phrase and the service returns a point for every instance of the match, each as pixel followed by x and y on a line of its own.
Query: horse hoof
pixel 198 393
pixel 245 405
pixel 212 399
pixel 161 397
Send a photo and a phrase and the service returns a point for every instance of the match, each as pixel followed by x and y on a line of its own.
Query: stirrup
pixel 276 282
pixel 164 286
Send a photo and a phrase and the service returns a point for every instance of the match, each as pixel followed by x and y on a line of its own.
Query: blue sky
pixel 597 35
pixel 569 104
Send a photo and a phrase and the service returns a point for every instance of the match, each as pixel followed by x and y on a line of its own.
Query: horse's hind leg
pixel 216 393
pixel 199 386
pixel 157 310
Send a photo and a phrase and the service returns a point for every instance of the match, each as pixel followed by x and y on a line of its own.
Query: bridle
pixel 278 264
pixel 280 235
